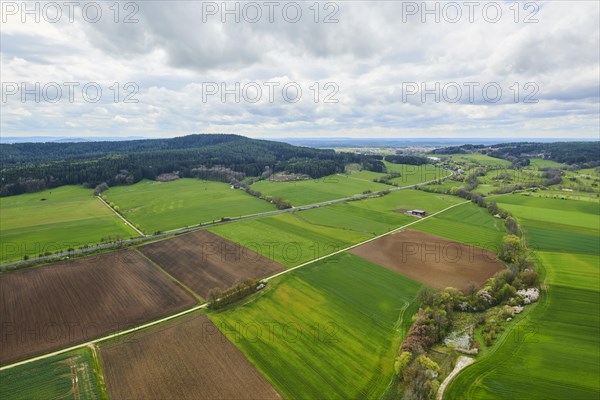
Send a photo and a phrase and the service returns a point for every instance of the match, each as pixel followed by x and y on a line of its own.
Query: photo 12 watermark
pixel 269 92
pixel 69 92
pixel 54 12
pixel 470 92
pixel 452 12
pixel 253 12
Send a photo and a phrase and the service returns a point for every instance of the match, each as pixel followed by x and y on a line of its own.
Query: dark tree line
pixel 519 153
pixel 30 167
pixel 410 160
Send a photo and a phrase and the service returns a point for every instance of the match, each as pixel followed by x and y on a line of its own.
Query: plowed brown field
pixel 54 306
pixel 184 359
pixel 202 260
pixel 430 259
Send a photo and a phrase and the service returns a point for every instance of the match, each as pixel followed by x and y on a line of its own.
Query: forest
pixel 31 167
pixel 563 152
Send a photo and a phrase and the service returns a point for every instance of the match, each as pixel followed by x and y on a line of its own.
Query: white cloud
pixel 368 54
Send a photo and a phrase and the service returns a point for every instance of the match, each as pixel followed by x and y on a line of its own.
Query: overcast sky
pixel 173 68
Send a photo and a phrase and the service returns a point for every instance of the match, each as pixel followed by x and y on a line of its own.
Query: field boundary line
pixel 366 241
pixel 161 269
pixel 100 371
pixel 205 305
pixel 122 217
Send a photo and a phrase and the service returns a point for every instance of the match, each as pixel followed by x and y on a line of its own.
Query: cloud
pixel 176 50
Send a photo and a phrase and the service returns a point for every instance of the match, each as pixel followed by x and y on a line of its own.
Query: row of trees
pixel 218 298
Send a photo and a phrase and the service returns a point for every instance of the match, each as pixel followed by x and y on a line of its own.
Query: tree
pixel 402 361
pixel 427 295
pixel 510 249
pixel 511 226
pixel 529 279
pixel 100 188
pixel 428 363
pixel 471 288
pixel 505 293
pixel 492 208
pixel 213 296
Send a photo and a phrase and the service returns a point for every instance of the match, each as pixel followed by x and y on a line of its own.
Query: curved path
pixel 461 363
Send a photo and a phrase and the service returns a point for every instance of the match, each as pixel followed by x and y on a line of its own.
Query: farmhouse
pixel 417 213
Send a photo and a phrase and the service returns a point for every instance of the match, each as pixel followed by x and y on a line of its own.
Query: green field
pixel 327 331
pixel 368 176
pixel 507 177
pixel 446 185
pixel 560 194
pixel 554 353
pixel 288 239
pixel 585 180
pixel 378 215
pixel 162 206
pixel 467 223
pixel 311 191
pixel 408 200
pixel 476 159
pixel 294 238
pixel 72 375
pixel 70 216
pixel 413 174
pixel 542 163
pixel 578 214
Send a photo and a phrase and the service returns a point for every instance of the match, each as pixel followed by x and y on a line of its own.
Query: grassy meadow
pixel 413 174
pixel 312 191
pixel 499 178
pixel 542 163
pixel 162 206
pixel 55 219
pixel 336 324
pixel 288 239
pixel 476 159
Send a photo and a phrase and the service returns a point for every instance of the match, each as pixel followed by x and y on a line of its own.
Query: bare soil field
pixel 202 260
pixel 54 306
pixel 184 359
pixel 430 259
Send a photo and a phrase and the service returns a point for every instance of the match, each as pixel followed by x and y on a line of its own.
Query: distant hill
pixel 64 139
pixel 30 167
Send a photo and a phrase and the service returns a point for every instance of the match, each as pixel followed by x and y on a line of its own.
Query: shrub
pixel 402 361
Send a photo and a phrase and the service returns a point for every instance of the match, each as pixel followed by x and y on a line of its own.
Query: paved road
pixel 201 306
pixel 145 238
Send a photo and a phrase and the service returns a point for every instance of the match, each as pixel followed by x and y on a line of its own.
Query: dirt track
pixel 187 359
pixel 50 307
pixel 430 259
pixel 203 260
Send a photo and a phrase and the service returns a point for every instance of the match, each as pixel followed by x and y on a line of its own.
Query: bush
pixel 402 361
pixel 529 278
pixel 511 226
pixel 100 188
